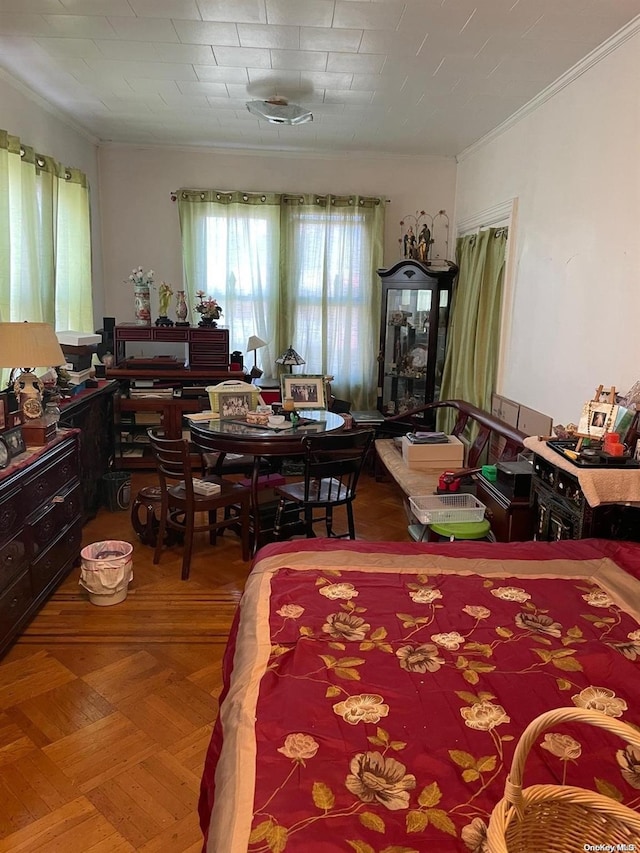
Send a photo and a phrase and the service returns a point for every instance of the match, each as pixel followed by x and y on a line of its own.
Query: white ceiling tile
pixel 194 32
pixel 328 80
pixel 94 26
pixel 70 47
pixel 99 7
pixel 184 9
pixel 306 60
pixel 359 63
pixel 305 13
pixel 196 54
pixel 197 87
pixel 394 44
pixel 556 26
pixel 261 35
pixel 242 56
pixel 347 97
pixel 31 6
pixel 239 11
pixel 164 88
pixel 28 25
pixel 155 70
pixel 221 74
pixel 369 16
pixel 316 38
pixel 144 29
pixel 228 103
pixel 126 50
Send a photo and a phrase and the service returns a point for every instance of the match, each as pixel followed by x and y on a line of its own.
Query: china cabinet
pixel 416 299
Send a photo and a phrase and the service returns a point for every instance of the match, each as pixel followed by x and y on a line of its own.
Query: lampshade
pixel 255 343
pixel 290 357
pixel 29 345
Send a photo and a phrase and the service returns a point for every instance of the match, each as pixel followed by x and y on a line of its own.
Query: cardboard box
pixel 433 457
pixel 532 422
pixel 77 339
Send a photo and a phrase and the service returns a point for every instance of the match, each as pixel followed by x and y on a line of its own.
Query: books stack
pixel 428 437
pixel 145 393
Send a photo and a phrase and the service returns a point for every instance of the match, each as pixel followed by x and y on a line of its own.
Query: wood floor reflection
pixel 106 712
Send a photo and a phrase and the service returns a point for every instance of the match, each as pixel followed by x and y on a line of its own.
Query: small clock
pixel 32 408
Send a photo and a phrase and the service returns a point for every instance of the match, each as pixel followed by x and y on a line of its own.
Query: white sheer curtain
pixel 332 249
pixel 230 245
pixel 296 271
pixel 45 243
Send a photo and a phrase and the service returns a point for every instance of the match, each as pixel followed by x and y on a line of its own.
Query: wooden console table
pixel 207 348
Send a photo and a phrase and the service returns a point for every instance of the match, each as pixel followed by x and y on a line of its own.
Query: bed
pixel 374 692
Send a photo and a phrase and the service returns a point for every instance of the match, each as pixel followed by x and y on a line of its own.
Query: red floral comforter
pixel 376 697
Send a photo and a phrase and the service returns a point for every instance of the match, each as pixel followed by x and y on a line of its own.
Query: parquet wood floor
pixel 106 712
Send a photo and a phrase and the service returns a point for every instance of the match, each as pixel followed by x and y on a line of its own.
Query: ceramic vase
pixel 181 308
pixel 208 322
pixel 142 305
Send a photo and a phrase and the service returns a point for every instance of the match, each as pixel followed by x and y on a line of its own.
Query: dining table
pixel 237 436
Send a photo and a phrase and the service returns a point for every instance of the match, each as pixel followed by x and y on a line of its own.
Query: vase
pixel 208 322
pixel 181 309
pixel 143 305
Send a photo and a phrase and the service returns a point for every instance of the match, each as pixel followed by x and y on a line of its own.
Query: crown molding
pixel 609 46
pixel 498 214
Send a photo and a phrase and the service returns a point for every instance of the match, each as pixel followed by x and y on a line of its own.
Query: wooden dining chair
pixel 180 502
pixel 332 467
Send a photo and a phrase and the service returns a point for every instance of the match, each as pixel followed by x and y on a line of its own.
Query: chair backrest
pixel 338 457
pixel 173 461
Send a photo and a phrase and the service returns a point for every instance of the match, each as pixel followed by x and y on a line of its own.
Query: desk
pixel 228 436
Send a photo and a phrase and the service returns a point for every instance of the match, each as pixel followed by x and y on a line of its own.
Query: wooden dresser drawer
pixel 13 558
pixel 51 476
pixel 57 514
pixel 11 513
pixel 14 603
pixel 53 562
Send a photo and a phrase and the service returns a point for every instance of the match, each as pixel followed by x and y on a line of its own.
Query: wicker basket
pixel 561 818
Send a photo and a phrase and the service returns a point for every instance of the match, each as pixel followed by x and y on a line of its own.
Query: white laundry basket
pixel 107 569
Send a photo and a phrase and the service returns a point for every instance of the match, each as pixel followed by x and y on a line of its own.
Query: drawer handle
pixel 14 603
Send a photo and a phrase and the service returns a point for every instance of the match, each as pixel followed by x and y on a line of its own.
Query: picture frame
pixel 3 412
pixel 234 404
pixel 14 440
pixel 306 390
pixel 597 418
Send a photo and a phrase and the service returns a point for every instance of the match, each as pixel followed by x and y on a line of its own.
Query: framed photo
pixel 597 418
pixel 307 392
pixel 234 404
pixel 14 440
pixel 3 412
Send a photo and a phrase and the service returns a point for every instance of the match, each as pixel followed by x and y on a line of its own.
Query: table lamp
pixel 289 358
pixel 255 343
pixel 23 347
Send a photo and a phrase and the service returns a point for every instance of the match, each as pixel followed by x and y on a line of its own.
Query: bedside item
pixel 253 345
pixel 289 358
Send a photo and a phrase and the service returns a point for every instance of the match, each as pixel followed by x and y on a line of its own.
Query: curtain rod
pixel 173 195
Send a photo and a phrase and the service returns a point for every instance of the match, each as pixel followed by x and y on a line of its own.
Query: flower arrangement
pixel 141 279
pixel 208 307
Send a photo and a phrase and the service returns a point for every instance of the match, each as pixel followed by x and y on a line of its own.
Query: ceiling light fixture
pixel 279 111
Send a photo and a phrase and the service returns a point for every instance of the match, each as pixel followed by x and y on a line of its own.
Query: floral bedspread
pixel 388 703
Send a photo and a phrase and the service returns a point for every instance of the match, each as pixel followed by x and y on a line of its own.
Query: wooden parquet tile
pixel 106 712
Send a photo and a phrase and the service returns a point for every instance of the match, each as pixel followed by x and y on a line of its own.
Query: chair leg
pixel 328 521
pixel 245 510
pixel 188 547
pixel 161 532
pixel 308 521
pixel 352 527
pixel 213 520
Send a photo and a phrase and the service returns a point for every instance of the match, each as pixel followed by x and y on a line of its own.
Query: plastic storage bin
pixel 449 509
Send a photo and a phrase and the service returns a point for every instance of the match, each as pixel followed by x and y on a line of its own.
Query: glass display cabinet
pixel 416 299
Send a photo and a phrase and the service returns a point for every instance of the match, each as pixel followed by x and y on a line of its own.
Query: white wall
pixel 41 128
pixel 140 222
pixel 574 165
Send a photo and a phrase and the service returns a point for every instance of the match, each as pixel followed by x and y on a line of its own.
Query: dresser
pixel 40 529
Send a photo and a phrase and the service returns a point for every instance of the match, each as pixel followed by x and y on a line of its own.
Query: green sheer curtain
pixel 474 334
pixel 45 239
pixel 295 269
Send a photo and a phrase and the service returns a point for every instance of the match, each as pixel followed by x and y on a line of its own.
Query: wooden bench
pixel 487 440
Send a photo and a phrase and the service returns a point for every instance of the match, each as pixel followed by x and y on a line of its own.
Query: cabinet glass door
pixel 406 347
